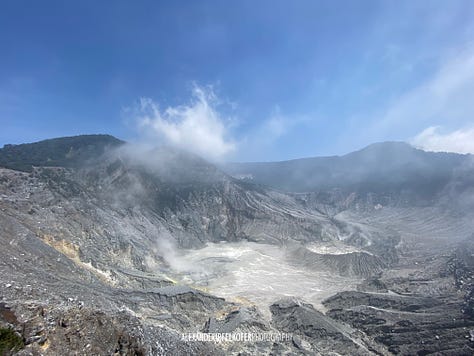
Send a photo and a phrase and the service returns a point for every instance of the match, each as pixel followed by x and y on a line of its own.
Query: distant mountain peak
pixel 389 145
pixel 380 167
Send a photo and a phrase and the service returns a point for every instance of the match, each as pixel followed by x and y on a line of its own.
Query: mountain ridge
pixel 391 172
pixel 380 167
pixel 62 151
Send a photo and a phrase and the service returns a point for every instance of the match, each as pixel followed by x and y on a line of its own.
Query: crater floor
pixel 258 273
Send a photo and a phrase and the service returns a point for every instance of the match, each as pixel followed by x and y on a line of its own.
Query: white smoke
pixel 197 127
pixel 167 249
pixel 432 139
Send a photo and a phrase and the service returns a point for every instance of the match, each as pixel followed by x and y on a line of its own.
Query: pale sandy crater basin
pixel 257 273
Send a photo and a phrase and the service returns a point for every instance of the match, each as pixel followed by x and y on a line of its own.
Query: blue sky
pixel 240 80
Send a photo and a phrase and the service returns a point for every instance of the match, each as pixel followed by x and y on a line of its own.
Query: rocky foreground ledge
pixel 415 309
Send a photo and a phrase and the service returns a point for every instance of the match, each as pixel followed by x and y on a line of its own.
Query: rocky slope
pixel 416 308
pixel 95 234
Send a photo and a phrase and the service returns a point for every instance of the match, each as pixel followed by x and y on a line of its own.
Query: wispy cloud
pixel 268 139
pixel 443 97
pixel 433 139
pixel 196 127
pixel 446 95
pixel 274 127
